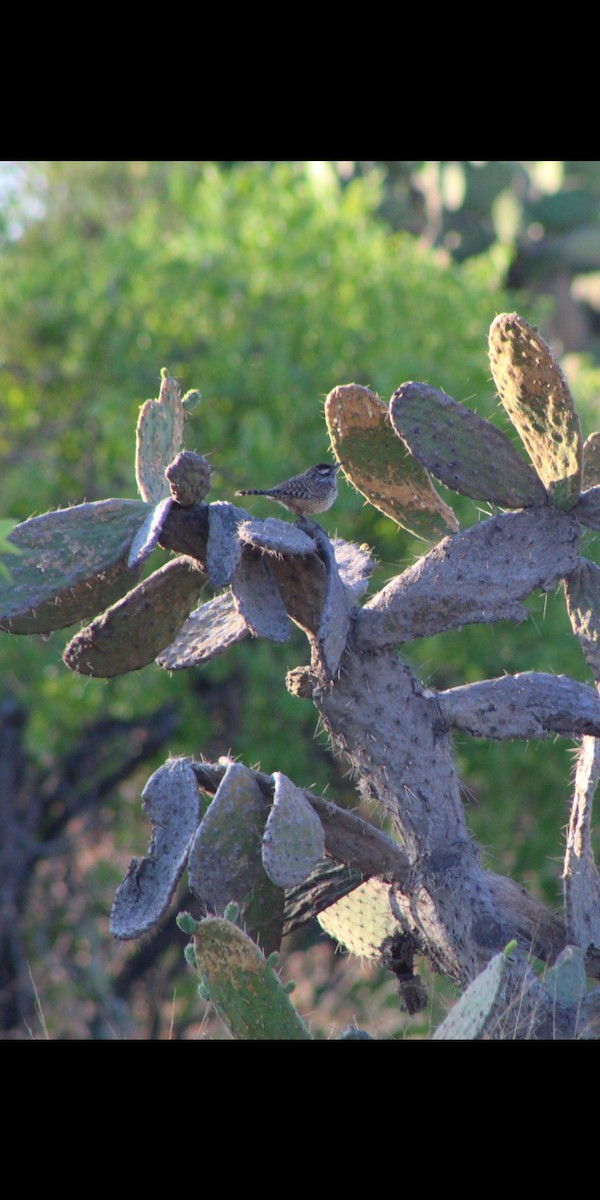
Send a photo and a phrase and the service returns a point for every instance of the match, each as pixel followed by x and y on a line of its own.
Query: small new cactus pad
pixel 71 565
pixel 188 477
pixel 245 990
pixel 379 466
pixel 537 399
pixel 293 840
pixel 159 436
pixel 225 860
pixel 135 630
pixel 462 450
pixel 209 630
pixel 172 802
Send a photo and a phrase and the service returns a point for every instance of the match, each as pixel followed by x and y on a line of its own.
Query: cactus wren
pixel 304 495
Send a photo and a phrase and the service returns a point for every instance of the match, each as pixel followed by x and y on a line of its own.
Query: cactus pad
pixel 159 435
pixel 276 537
pixel 188 477
pixel 462 450
pixel 71 565
pixel 135 630
pixel 537 399
pixel 209 630
pixel 582 590
pixel 244 989
pixel 378 465
pixel 362 920
pixel 225 860
pixel 172 802
pixel 293 840
pixel 591 461
pixel 223 549
pixel 473 1015
pixel 257 598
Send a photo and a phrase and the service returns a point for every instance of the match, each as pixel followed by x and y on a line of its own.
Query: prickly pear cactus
pixel 282 855
pixel 244 989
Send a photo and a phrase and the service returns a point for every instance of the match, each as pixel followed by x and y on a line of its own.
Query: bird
pixel 304 495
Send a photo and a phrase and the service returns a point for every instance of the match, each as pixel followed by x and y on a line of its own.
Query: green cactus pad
pixel 225 860
pixel 209 630
pixel 478 1007
pixel 245 991
pixel 191 400
pixel 591 461
pixel 582 590
pixel 362 920
pixel 462 450
pixel 135 630
pixel 71 565
pixel 378 465
pixel 159 436
pixel 293 841
pixel 172 802
pixel 537 399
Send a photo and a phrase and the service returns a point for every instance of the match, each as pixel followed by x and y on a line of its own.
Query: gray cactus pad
pixel 582 590
pixel 257 598
pixel 172 802
pixel 208 631
pixel 293 841
pixel 72 564
pixel 587 509
pixel 355 566
pixel 276 537
pixel 526 705
pixel 135 630
pixel 147 538
pixel 225 860
pixel 223 551
pixel 335 617
pixel 462 450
